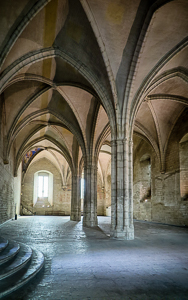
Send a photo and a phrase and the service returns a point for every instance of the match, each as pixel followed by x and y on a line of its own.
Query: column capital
pixel 91 166
pixel 127 140
pixel 121 140
pixel 113 142
pixel 76 176
pixel 131 141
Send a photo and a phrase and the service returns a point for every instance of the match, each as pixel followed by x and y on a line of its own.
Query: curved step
pixel 3 244
pixel 21 259
pixel 23 276
pixel 9 252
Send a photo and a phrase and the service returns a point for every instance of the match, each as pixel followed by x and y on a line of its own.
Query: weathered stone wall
pixel 184 170
pixel 166 204
pixel 100 196
pixel 7 207
pixel 142 186
pixel 61 198
pixel 108 196
pixel 104 193
pixel 17 189
pixel 108 191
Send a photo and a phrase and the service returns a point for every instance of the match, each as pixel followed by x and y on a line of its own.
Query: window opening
pixel 43 185
pixel 82 188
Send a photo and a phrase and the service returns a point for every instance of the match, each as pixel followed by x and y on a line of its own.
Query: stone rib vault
pixel 94 111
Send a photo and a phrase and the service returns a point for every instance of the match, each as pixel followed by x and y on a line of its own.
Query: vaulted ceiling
pixel 71 69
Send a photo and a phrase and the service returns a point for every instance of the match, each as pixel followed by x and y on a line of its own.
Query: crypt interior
pixel 93 125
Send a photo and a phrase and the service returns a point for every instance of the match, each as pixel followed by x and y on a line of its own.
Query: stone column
pixel 90 195
pixel 131 225
pixel 122 197
pixel 75 199
pixel 113 185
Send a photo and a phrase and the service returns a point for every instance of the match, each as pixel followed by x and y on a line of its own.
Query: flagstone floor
pixel 83 263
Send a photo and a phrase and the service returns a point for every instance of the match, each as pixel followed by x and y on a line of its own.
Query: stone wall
pixel 17 189
pixel 61 198
pixel 100 196
pixel 142 186
pixel 166 203
pixel 7 207
pixel 108 196
pixel 184 170
pixel 104 193
pixel 108 191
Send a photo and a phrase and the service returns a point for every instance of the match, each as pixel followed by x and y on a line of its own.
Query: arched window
pixel 43 183
pixel 43 187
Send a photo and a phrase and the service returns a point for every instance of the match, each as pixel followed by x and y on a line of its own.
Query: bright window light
pixel 45 186
pixel 42 186
pixel 82 188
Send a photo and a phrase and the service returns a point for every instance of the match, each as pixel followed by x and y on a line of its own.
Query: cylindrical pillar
pixel 122 196
pixel 75 199
pixel 90 195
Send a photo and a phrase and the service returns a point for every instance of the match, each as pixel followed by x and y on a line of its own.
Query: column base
pixel 90 223
pixel 127 233
pixel 75 217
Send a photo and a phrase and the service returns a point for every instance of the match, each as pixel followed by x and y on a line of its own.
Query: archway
pixel 47 185
pixel 104 181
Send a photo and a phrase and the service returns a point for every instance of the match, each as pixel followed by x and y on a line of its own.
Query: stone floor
pixel 83 263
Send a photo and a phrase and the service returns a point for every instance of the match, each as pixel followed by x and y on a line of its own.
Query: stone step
pixel 9 252
pixel 3 244
pixel 18 262
pixel 15 281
